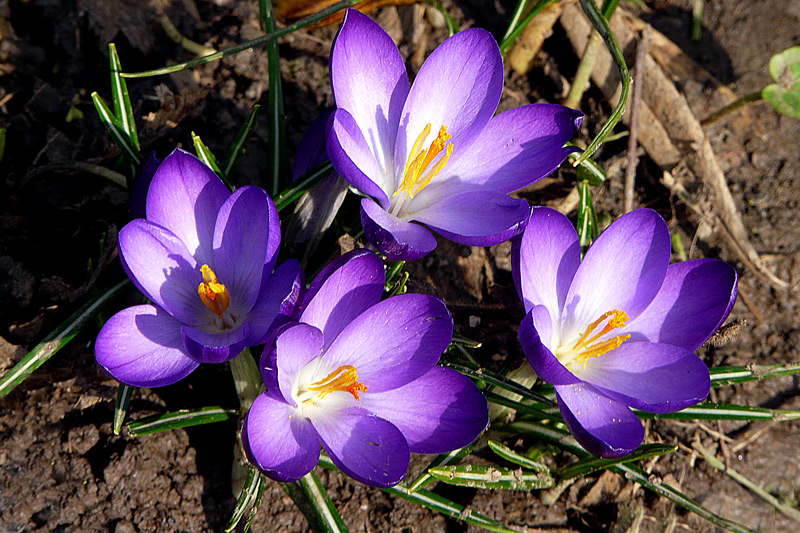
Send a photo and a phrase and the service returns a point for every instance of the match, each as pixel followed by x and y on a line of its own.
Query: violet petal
pixel 393 237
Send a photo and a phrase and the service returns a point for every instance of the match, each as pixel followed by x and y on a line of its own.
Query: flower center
pixel 589 345
pixel 213 293
pixel 417 174
pixel 343 379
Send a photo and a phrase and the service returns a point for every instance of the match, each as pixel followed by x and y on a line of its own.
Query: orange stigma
pixel 419 160
pixel 213 293
pixel 343 379
pixel 585 347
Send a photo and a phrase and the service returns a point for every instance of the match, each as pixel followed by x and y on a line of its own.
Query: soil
pixel 61 466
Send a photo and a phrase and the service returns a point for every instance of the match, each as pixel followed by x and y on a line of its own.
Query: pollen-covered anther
pixel 415 177
pixel 587 345
pixel 343 379
pixel 213 293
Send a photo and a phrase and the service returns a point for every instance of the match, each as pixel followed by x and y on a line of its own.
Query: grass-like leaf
pixel 560 437
pixel 304 182
pixel 601 25
pixel 724 411
pixel 124 394
pixel 510 455
pixel 444 459
pixel 588 170
pixel 114 128
pixel 122 101
pixel 590 464
pixel 492 477
pixel 258 41
pixel 311 498
pixel 180 419
pixel 517 26
pixel 56 340
pixel 587 225
pixel 239 146
pixel 249 498
pixel 476 372
pixel 207 157
pixel 729 375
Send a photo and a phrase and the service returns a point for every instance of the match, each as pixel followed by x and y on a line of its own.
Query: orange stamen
pixel 588 347
pixel 213 293
pixel 414 178
pixel 343 379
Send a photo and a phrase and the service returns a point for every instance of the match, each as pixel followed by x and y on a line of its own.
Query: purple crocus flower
pixel 433 154
pixel 204 257
pixel 359 375
pixel 619 329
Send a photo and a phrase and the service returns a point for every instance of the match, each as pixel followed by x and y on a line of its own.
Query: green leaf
pixel 124 394
pixel 510 455
pixel 275 119
pixel 492 477
pixel 537 410
pixel 207 157
pixel 587 225
pixel 601 25
pixel 114 128
pixel 304 182
pixel 516 27
pixel 239 146
pixel 56 340
pixel 784 95
pixel 588 465
pixel 559 436
pixel 476 372
pixel 460 340
pixel 588 170
pixel 249 498
pixel 258 41
pixel 180 419
pixel 724 411
pixel 119 94
pixel 310 497
pixel 454 457
pixel 728 375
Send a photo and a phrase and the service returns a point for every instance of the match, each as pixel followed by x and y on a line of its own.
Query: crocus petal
pixel 546 260
pixel 394 342
pixel 476 218
pixel 344 289
pixel 517 148
pixel 370 82
pixel 393 237
pixel 295 347
pixel 276 301
pixel 367 448
pixel 162 268
pixel 241 236
pixel 439 412
pixel 184 197
pixel 605 427
pixel 352 159
pixel 534 331
pixel 653 377
pixel 283 446
pixel 693 302
pixel 458 86
pixel 216 347
pixel 141 346
pixel 622 270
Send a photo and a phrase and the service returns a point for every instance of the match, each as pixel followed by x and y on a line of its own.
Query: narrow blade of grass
pixel 122 101
pixel 590 464
pixel 444 459
pixel 124 394
pixel 258 41
pixel 249 498
pixel 724 411
pixel 492 477
pixel 239 146
pixel 517 27
pixel 207 157
pixel 180 419
pixel 311 498
pixel 497 380
pixel 304 182
pixel 728 375
pixel 511 456
pixel 56 340
pixel 114 128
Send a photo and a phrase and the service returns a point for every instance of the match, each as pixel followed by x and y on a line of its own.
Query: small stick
pixel 633 158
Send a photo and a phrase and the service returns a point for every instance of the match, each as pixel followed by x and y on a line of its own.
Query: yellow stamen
pixel 419 160
pixel 588 347
pixel 343 379
pixel 213 293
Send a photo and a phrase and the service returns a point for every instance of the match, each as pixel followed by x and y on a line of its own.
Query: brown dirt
pixel 62 469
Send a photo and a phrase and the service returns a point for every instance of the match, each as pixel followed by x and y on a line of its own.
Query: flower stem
pixel 730 108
